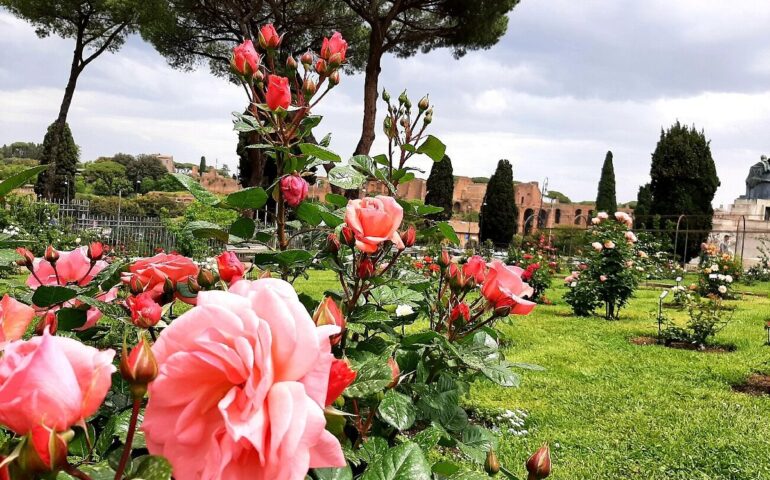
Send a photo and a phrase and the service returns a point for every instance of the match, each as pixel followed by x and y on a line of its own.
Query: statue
pixel 758 181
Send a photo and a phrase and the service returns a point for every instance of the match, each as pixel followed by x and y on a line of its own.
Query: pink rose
pixel 145 311
pixel 503 287
pixel 475 268
pixel 609 245
pixel 268 37
pixel 603 278
pixel 630 237
pixel 242 387
pixel 230 267
pixel 53 381
pixel 278 94
pixel 15 317
pixel 245 59
pixel 293 189
pixel 152 272
pixel 333 49
pixel 374 220
pixel 72 268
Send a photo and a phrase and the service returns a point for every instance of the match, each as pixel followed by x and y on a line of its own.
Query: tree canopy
pixel 497 220
pixel 440 188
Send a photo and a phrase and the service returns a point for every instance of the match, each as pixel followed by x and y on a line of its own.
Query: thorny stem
pixel 129 438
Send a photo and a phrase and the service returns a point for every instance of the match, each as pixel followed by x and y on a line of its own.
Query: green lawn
pixel 613 410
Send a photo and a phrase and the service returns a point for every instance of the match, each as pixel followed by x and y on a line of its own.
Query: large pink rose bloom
pixel 15 317
pixel 53 381
pixel 72 268
pixel 241 389
pixel 374 220
pixel 154 271
pixel 503 287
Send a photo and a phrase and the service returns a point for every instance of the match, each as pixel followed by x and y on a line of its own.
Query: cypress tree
pixel 497 221
pixel 61 154
pixel 202 166
pixel 440 188
pixel 642 218
pixel 605 198
pixel 684 182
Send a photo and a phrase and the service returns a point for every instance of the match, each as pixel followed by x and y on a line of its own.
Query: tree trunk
pixel 69 90
pixel 371 93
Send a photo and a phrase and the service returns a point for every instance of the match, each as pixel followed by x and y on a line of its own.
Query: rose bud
pixel 309 87
pixel 259 77
pixel 328 313
pixel 365 268
pixel 340 378
pixel 145 312
pixel 306 58
pixel 455 277
pixel 408 236
pixel 320 67
pixel 444 259
pixel 230 267
pixel 334 49
pixel 168 286
pixel 206 278
pixel 492 464
pixel 423 104
pixel 192 284
pixel 49 322
pixel 394 371
pixel 347 236
pixel 461 310
pixel 539 464
pixel 138 368
pixel 334 78
pixel 51 255
pixel 333 244
pixel 245 59
pixel 269 38
pixel 27 258
pixel 402 99
pixel 385 96
pixel 44 451
pixel 502 310
pixel 291 63
pixel 293 190
pixel 95 251
pixel 278 94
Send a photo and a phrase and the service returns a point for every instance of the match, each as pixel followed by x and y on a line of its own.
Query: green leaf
pixel 372 376
pixel 445 468
pixel 322 153
pixel 453 418
pixel 346 177
pixel 18 180
pixel 333 473
pixel 309 212
pixel 110 309
pixel 122 422
pixel 400 463
pixel 373 448
pixel 110 276
pixel 433 147
pixel 196 189
pixel 243 227
pixel 287 258
pixel 448 232
pixel 339 201
pixel 501 375
pixel 330 219
pixel 252 198
pixel 428 209
pixel 204 229
pixel 153 468
pixel 46 296
pixel 397 410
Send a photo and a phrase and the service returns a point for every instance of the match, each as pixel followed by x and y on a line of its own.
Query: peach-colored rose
pixel 475 268
pixel 72 268
pixel 154 271
pixel 503 287
pixel 242 386
pixel 374 220
pixel 15 317
pixel 53 381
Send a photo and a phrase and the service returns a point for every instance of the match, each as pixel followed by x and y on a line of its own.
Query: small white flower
pixel 715 268
pixel 573 284
pixel 729 278
pixel 404 310
pixel 721 277
pixel 722 289
pixel 713 276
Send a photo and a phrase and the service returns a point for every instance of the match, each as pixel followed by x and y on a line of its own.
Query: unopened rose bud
pixel 365 268
pixel 423 104
pixel 492 464
pixel 138 368
pixel 328 313
pixel 334 78
pixel 193 285
pixel 51 255
pixel 333 244
pixel 27 258
pixel 385 95
pixel 539 464
pixel 444 259
pixel 347 236
pixel 404 121
pixel 259 77
pixel 269 38
pixel 309 87
pixel 168 286
pixel 47 322
pixel 145 311
pixel 402 99
pixel 306 58
pixel 455 277
pixel 387 127
pixel 291 63
pixel 408 236
pixel 394 371
pixel 460 311
pixel 502 311
pixel 95 251
pixel 44 451
pixel 207 278
pixel 135 285
pixel 320 67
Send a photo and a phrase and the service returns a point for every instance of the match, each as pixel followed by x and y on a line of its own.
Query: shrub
pixel 706 319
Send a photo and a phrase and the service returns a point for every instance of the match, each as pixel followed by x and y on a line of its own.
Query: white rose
pixel 715 268
pixel 573 284
pixel 404 310
pixel 722 289
pixel 713 276
pixel 729 278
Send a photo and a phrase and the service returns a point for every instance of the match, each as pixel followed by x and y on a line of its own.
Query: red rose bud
pixel 27 258
pixel 333 244
pixel 461 310
pixel 269 38
pixel 365 268
pixel 306 58
pixel 347 236
pixel 293 190
pixel 245 59
pixel 455 277
pixel 309 87
pixel 492 464
pixel 394 371
pixel 47 322
pixel 230 267
pixel 444 259
pixel 206 278
pixel 95 251
pixel 291 63
pixel 135 285
pixel 192 284
pixel 340 378
pixel 44 451
pixel 51 255
pixel 408 236
pixel 328 313
pixel 278 94
pixel 145 312
pixel 334 49
pixel 138 368
pixel 334 78
pixel 168 286
pixel 539 464
pixel 320 67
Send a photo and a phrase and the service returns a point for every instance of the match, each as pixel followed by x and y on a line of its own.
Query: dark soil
pixel 644 341
pixel 757 384
pixel 683 345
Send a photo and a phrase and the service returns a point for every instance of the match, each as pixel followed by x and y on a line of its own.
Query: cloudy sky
pixel 569 81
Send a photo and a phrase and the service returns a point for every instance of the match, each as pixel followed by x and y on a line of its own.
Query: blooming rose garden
pixel 357 357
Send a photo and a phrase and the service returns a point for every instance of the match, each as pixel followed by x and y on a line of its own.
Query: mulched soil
pixel 757 384
pixel 683 345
